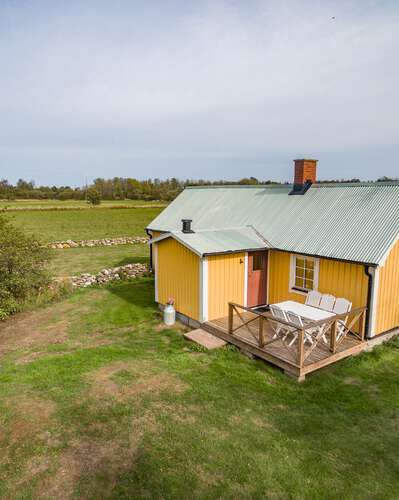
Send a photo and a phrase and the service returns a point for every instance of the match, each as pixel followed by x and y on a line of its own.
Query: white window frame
pixel 316 261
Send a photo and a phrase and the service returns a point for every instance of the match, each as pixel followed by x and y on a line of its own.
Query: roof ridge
pixel 242 186
pixel 355 184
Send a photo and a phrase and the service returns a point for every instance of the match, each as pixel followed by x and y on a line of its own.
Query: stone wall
pixel 129 271
pixel 124 240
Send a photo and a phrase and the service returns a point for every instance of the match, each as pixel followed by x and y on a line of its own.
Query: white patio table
pixel 307 312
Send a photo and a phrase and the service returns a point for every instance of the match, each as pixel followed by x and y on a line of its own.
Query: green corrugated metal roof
pixel 218 241
pixel 356 222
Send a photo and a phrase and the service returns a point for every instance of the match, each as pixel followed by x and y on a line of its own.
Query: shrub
pixel 93 196
pixel 22 267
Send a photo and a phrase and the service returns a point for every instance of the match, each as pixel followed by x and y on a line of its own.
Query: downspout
pixel 150 236
pixel 370 273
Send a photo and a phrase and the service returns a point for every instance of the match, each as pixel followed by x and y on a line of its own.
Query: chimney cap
pixel 306 159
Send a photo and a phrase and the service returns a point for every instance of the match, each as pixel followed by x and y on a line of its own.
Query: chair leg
pixel 323 336
pixel 295 336
pixel 308 337
pixel 277 332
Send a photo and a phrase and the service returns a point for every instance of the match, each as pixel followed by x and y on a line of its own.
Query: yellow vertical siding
pixel 178 277
pixel 279 278
pixel 388 293
pixel 225 283
pixel 341 279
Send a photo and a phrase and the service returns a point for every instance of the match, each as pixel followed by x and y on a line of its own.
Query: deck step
pixel 205 339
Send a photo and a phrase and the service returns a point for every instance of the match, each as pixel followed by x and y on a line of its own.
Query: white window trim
pixel 316 261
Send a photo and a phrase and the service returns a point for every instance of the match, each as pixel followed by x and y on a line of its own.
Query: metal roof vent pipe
pixel 186 226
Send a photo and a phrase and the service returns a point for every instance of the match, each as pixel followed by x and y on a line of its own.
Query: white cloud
pixel 230 78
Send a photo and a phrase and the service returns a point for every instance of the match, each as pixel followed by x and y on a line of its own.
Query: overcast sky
pixel 210 89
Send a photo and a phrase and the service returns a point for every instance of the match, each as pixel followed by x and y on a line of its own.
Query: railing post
pixel 301 339
pixel 230 326
pixel 333 337
pixel 261 331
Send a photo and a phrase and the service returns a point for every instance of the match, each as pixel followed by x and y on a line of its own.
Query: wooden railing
pixel 235 308
pixel 334 330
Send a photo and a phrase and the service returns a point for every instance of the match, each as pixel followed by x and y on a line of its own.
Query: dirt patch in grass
pixel 34 468
pixel 123 380
pixel 25 330
pixel 87 342
pixel 352 381
pixel 161 327
pixel 33 356
pixel 30 416
pixel 28 424
pixel 254 421
pixel 86 460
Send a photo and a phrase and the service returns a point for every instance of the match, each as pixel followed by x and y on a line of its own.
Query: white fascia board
pixel 159 238
pixel 175 237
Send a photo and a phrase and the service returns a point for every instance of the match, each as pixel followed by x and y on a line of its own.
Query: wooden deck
pixel 278 352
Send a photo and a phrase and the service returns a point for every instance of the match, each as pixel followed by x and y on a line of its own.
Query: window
pixel 258 262
pixel 304 273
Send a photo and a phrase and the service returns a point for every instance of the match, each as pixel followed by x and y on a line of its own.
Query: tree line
pixel 120 188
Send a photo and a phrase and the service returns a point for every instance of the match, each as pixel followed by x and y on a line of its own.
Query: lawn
pixel 72 261
pixel 97 400
pixel 85 224
pixel 67 204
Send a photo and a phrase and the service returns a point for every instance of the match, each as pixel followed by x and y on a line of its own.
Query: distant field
pixel 84 224
pixel 73 261
pixel 70 204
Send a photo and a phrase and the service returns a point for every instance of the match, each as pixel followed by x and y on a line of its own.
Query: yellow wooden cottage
pixel 219 250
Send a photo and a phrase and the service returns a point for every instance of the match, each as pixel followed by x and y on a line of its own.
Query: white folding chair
pixel 341 306
pixel 279 328
pixel 296 320
pixel 313 298
pixel 327 302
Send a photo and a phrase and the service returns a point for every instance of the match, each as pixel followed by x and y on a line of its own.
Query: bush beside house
pixel 22 267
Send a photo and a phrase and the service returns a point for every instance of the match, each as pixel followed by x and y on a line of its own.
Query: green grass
pixel 72 261
pixel 56 204
pixel 85 224
pixel 97 401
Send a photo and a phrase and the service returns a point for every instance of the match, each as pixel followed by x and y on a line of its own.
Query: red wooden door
pixel 257 278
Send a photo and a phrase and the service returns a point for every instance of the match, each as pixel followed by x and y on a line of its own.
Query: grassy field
pixel 85 224
pixel 62 205
pixel 97 400
pixel 73 261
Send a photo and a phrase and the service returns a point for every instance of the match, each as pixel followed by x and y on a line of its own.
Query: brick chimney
pixel 305 175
